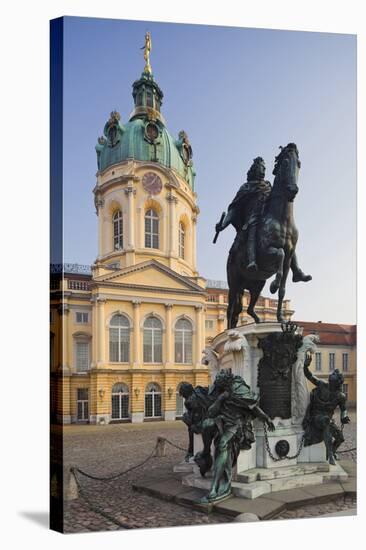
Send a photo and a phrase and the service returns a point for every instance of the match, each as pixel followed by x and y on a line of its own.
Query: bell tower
pixel 144 196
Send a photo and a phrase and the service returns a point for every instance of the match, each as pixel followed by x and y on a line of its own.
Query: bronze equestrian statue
pixel 266 237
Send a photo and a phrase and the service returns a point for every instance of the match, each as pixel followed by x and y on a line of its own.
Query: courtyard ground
pixel 111 505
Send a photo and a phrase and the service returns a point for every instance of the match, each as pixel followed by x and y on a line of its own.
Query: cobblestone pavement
pixel 106 450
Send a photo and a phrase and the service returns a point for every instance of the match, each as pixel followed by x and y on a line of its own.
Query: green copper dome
pixel 145 137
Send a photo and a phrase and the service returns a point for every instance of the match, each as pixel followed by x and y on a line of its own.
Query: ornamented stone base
pixel 260 481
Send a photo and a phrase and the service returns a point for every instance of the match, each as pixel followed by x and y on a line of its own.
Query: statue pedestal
pixel 258 471
pixel 239 349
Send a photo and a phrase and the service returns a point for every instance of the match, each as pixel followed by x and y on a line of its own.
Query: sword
pixel 219 224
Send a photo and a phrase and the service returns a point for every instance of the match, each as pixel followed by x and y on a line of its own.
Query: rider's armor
pixel 246 210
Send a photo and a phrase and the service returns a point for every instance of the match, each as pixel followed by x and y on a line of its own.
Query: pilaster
pixel 101 332
pixel 130 243
pixel 172 201
pixel 136 334
pixel 169 336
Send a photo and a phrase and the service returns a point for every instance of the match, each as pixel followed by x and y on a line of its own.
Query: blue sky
pixel 238 93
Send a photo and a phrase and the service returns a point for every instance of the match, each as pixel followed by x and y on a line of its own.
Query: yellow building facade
pixel 126 332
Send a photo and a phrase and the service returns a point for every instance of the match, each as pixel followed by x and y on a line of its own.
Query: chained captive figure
pixel 318 423
pixel 229 426
pixel 245 211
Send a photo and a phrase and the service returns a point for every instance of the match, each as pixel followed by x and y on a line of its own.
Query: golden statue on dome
pixel 147 50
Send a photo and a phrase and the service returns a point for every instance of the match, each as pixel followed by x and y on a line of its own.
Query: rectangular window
pixel 82 404
pixel 345 362
pixel 209 325
pixel 82 356
pixel 82 317
pixel 318 361
pixel 331 361
pixel 345 390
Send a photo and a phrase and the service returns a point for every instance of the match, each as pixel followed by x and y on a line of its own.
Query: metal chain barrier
pixel 97 509
pixel 278 458
pixel 119 474
pixel 287 457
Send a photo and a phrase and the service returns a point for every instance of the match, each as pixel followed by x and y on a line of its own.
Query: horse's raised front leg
pixel 282 289
pixel 255 290
pixel 279 256
pixel 297 273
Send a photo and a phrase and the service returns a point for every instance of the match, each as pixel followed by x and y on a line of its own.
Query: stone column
pixel 64 311
pixel 129 243
pixel 169 337
pixel 194 243
pixel 137 397
pixel 172 250
pixel 93 361
pixel 99 204
pixel 136 334
pixel 220 323
pixel 100 332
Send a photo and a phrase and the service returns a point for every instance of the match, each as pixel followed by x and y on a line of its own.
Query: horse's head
pixel 286 171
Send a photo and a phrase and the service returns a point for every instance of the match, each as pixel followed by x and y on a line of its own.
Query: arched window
pixel 119 339
pixel 149 99
pixel 151 229
pixel 117 230
pixel 120 402
pixel 153 340
pixel 183 341
pixel 181 240
pixel 179 403
pixel 152 400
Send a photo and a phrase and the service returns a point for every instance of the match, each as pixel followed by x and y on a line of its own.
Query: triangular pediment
pixel 150 274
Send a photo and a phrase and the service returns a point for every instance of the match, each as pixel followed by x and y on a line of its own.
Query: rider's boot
pixel 251 246
pixel 299 275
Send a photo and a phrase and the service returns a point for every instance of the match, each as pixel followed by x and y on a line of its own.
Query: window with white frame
pixel 117 230
pixel 120 402
pixel 209 324
pixel 179 404
pixel 345 390
pixel 331 361
pixel 151 229
pixel 183 341
pixel 345 362
pixel 82 317
pixel 82 350
pixel 152 401
pixel 119 339
pixel 153 340
pixel 318 361
pixel 82 403
pixel 181 240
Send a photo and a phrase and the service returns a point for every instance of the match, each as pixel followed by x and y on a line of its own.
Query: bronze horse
pixel 276 244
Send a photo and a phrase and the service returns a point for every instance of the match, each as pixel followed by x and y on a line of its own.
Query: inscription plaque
pixel 274 370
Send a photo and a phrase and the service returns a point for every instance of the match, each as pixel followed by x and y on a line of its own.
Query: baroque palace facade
pixel 125 334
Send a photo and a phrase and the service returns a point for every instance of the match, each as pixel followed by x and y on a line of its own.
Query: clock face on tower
pixel 152 183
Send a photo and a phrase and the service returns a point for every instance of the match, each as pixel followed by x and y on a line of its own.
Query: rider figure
pixel 246 209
